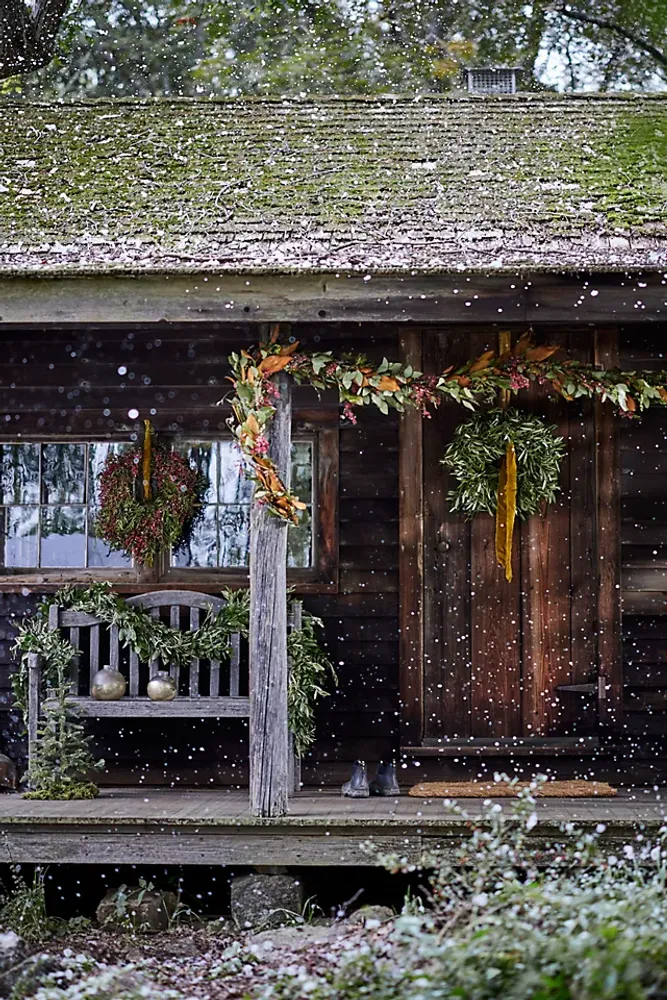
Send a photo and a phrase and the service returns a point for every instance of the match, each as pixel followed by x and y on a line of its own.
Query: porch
pixel 143 826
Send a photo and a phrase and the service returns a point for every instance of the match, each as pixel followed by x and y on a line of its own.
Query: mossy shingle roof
pixel 375 184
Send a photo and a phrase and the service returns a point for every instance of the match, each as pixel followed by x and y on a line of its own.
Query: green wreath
pixel 478 447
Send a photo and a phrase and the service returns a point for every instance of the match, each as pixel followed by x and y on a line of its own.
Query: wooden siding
pixel 644 547
pixel 68 383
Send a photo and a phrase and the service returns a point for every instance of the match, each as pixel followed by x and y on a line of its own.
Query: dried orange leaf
pixel 541 353
pixel 483 361
pixel 252 423
pixel 274 363
pixel 388 384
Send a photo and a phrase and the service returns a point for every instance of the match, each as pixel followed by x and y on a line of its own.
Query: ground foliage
pixel 478 447
pixel 184 47
pixel 512 918
pixel 398 386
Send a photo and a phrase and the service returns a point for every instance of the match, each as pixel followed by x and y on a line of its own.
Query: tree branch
pixel 618 29
pixel 28 37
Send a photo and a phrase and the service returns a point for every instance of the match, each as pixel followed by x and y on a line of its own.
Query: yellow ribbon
pixel 146 460
pixel 506 510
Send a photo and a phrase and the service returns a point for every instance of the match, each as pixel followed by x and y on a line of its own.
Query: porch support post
pixel 269 737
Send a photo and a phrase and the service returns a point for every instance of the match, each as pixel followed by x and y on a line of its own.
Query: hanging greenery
pixel 147 499
pixel 152 638
pixel 398 386
pixel 478 448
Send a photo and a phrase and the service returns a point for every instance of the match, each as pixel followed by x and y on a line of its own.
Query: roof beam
pixel 422 298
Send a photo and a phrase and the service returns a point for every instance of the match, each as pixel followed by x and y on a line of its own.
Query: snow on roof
pixel 380 184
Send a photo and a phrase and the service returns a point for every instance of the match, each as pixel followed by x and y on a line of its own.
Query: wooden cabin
pixel 142 242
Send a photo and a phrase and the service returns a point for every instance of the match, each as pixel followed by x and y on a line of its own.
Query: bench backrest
pixel 186 610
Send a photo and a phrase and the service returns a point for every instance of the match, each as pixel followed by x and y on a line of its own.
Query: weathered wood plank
pixel 447 643
pixel 269 736
pixel 144 708
pixel 609 541
pixel 411 553
pixel 232 298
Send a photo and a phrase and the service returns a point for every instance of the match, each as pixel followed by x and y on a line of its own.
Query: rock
pixel 265 900
pixel 25 978
pixel 370 916
pixel 300 936
pixel 12 949
pixel 145 910
pixel 7 772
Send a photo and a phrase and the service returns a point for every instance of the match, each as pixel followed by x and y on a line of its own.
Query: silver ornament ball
pixel 108 684
pixel 161 687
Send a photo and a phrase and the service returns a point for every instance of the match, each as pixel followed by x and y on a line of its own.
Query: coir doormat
pixel 500 790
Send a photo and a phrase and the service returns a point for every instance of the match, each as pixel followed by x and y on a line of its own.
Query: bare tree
pixel 28 34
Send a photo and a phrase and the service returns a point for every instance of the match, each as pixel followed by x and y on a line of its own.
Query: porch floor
pixel 146 825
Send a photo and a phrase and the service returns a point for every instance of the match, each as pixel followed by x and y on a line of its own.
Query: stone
pixel 300 936
pixel 145 910
pixel 7 772
pixel 265 900
pixel 370 916
pixel 25 977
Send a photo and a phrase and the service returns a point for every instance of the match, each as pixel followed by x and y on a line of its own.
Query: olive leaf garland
pixel 393 385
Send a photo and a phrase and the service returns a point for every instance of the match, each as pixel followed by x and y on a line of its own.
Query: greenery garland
pixel 61 754
pixel 476 452
pixel 145 527
pixel 397 386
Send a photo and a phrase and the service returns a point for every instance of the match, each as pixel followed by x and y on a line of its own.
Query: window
pixel 221 534
pixel 49 494
pixel 49 499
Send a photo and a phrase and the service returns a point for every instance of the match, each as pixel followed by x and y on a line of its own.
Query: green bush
pixel 512 916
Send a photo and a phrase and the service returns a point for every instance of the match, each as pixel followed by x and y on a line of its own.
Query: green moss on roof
pixel 411 184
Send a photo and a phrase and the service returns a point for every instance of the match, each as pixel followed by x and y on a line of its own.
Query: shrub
pixel 513 916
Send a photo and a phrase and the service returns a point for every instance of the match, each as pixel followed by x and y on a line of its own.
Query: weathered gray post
pixel 269 746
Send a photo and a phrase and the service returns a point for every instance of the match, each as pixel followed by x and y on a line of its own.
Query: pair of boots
pixel 384 782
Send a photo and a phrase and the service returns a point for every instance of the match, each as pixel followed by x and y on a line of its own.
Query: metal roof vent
pixel 492 79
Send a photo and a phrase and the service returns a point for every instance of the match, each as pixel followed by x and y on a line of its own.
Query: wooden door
pixel 521 659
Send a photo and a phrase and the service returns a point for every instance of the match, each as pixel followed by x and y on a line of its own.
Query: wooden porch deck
pixel 179 827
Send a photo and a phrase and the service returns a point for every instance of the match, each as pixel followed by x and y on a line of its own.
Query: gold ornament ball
pixel 161 687
pixel 108 684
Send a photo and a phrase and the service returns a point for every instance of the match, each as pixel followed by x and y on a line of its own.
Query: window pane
pixel 235 487
pixel 203 456
pixel 100 556
pixel 63 536
pixel 234 535
pixel 302 470
pixel 98 452
pixel 20 473
pixel 201 549
pixel 21 536
pixel 63 475
pixel 299 545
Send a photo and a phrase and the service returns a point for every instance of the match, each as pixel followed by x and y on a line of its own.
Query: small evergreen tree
pixel 61 759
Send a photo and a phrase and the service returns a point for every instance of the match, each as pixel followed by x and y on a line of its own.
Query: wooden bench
pixel 213 687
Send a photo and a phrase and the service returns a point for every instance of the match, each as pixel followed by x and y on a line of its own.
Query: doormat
pixel 499 790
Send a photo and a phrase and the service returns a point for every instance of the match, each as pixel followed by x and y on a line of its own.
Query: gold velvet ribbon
pixel 506 505
pixel 146 460
pixel 506 510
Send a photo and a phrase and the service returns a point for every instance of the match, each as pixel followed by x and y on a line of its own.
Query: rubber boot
pixel 357 786
pixel 385 782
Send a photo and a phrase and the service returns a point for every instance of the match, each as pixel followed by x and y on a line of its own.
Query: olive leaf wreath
pixel 475 454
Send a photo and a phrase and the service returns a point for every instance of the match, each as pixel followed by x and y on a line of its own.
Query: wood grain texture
pixel 495 621
pixel 269 736
pixel 179 708
pixel 546 588
pixel 411 552
pixel 609 543
pixel 447 639
pixel 313 298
